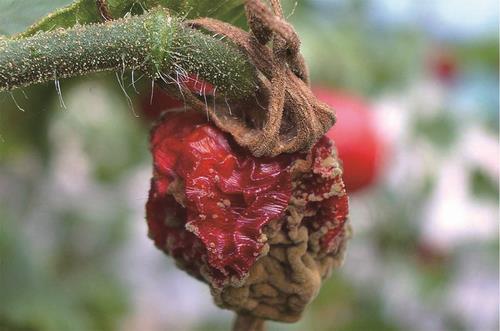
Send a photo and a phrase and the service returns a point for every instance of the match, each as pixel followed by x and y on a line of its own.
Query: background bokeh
pixel 75 169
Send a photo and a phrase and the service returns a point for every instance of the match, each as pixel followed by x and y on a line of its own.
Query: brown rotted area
pixel 283 116
pixel 282 283
pixel 285 280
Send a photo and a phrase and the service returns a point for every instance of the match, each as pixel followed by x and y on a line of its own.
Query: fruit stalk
pixel 155 43
pixel 245 322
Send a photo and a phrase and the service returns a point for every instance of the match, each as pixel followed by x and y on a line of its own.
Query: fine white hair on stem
pixel 215 90
pixel 58 90
pixel 129 101
pixel 180 90
pixel 228 106
pixel 133 81
pixel 180 71
pixel 15 102
pixel 293 10
pixel 167 78
pixel 24 93
pixel 144 9
pixel 54 26
pixel 206 102
pixel 197 81
pixel 172 80
pixel 123 68
pixel 186 14
pixel 152 91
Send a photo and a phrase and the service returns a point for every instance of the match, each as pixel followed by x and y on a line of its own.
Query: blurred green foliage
pixel 72 284
pixel 17 15
pixel 342 50
pixel 85 12
pixel 69 293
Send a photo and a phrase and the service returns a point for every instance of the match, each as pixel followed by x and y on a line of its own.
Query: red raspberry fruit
pixel 259 231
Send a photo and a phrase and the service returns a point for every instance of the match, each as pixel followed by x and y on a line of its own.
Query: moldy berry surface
pixel 259 231
pixel 360 147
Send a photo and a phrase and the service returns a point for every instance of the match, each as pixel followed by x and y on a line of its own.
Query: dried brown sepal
pixel 283 116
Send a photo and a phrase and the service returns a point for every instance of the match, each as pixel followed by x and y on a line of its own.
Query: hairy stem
pixel 248 323
pixel 155 43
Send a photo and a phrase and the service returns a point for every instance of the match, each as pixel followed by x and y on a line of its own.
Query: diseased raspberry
pixel 360 146
pixel 262 232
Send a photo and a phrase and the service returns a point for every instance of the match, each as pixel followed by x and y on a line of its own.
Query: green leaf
pixel 85 11
pixel 17 15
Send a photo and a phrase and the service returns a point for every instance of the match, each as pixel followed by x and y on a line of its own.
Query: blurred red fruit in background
pixel 443 65
pixel 360 147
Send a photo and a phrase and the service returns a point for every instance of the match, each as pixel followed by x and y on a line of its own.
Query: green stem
pixel 155 43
